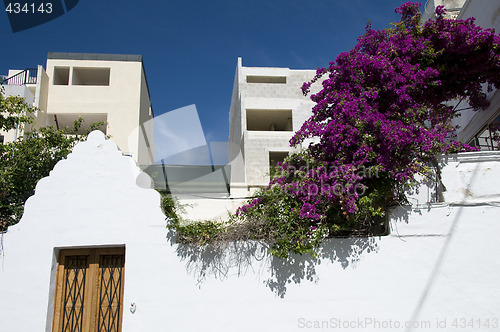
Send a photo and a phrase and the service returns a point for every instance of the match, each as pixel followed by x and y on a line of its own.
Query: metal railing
pixel 27 76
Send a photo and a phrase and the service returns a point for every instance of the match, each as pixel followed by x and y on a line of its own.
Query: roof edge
pixel 94 56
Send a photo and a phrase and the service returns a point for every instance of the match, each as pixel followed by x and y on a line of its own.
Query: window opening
pixel 266 79
pixel 61 75
pixel 91 76
pixel 269 120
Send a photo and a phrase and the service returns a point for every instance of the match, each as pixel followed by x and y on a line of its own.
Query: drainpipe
pixel 57 123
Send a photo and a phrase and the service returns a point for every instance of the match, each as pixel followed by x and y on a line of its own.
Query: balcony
pixel 27 76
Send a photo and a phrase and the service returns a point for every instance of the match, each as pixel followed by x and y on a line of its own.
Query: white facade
pixel 267 107
pixel 473 125
pixel 453 8
pixel 21 91
pixel 98 87
pixel 27 90
pixel 437 270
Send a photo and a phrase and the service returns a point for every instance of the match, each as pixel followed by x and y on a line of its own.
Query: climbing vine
pixel 379 119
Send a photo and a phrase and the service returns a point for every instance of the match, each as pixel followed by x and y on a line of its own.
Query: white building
pixel 474 126
pixel 267 107
pixel 111 88
pixel 22 83
pixel 453 8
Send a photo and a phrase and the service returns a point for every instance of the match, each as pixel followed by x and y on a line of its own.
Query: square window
pixel 61 75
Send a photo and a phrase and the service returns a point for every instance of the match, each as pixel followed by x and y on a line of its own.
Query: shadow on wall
pixel 236 259
pixel 401 214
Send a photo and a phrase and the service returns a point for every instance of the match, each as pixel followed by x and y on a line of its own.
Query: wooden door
pixel 89 290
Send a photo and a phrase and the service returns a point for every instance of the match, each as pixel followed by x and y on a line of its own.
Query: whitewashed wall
pixel 90 199
pixel 440 262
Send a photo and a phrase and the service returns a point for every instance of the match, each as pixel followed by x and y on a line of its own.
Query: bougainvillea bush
pixel 379 119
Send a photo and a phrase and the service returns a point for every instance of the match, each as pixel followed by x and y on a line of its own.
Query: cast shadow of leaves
pixel 236 259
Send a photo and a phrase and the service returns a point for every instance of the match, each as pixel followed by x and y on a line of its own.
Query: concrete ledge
pixel 471 177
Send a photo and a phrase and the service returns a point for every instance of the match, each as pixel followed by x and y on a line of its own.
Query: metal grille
pixel 74 289
pixel 111 269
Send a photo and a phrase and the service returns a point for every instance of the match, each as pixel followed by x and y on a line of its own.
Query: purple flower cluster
pixel 383 105
pixel 253 204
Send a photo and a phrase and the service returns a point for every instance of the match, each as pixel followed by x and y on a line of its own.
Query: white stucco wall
pixel 90 199
pixel 20 91
pixel 439 263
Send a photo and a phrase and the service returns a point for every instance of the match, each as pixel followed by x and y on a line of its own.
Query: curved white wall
pixel 440 262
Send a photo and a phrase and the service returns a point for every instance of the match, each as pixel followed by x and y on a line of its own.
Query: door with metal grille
pixel 89 290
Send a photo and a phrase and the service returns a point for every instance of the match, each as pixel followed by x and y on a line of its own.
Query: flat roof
pixel 94 56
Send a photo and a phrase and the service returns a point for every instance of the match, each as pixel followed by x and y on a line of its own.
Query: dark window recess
pixel 267 79
pixel 91 76
pixel 61 76
pixel 269 120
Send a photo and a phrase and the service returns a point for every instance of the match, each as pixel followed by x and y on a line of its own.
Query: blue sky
pixel 190 47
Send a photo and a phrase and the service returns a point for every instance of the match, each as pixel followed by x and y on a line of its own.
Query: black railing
pixel 27 76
